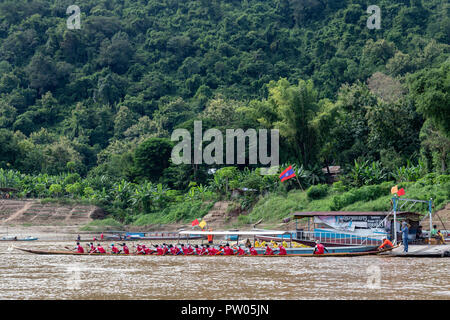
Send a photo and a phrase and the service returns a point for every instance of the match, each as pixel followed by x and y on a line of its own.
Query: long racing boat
pixel 297 252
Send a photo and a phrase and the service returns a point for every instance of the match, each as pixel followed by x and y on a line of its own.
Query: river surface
pixel 28 276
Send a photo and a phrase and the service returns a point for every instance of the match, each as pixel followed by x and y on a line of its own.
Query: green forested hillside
pixel 96 101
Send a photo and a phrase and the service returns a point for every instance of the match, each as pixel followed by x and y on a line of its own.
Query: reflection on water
pixel 28 276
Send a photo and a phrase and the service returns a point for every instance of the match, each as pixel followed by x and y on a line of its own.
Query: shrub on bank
pixel 365 193
pixel 183 212
pixel 102 224
pixel 317 192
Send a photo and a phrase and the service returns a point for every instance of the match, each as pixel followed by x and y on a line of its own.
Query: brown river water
pixel 43 277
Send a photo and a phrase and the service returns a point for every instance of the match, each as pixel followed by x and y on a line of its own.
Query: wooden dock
pixel 425 251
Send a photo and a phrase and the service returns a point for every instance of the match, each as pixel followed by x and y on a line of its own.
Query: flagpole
pixel 395 219
pixel 299 183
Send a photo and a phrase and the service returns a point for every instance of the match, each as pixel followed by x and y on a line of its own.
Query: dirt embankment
pixel 25 216
pixel 440 218
pixel 33 212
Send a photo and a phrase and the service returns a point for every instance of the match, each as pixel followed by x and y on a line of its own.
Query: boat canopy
pixel 241 233
pixel 300 215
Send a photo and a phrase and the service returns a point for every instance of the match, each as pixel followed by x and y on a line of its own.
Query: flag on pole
pixel 394 189
pixel 287 174
pixel 195 222
pixel 401 192
pixel 202 224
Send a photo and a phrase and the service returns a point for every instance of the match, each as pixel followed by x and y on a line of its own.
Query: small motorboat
pixel 15 238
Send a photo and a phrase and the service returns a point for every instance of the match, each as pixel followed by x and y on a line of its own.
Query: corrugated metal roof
pixel 347 213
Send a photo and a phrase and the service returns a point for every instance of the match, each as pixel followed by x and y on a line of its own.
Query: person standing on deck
pixel 210 237
pixel 405 231
pixel 101 237
pixel 319 249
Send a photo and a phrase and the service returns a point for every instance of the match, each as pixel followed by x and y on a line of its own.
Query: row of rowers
pixel 169 249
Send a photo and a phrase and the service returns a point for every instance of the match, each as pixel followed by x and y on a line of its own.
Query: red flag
pixel 195 222
pixel 401 192
pixel 287 174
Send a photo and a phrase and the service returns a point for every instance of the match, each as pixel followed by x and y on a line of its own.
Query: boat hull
pixel 290 253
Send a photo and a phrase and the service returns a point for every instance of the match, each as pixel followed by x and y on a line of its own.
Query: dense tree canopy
pixel 136 70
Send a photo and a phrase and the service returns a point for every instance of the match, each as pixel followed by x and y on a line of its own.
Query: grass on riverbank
pixel 178 212
pixel 101 225
pixel 275 207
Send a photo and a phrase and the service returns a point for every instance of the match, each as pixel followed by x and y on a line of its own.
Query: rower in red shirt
pixel 100 249
pixel 146 249
pixel 165 249
pixel 319 249
pixel 114 249
pixel 198 250
pixel 140 249
pixel 125 249
pixel 174 250
pixel 190 250
pixel 228 251
pixel 269 251
pixel 159 250
pixel 212 251
pixel 282 251
pixel 253 251
pixel 240 251
pixel 91 248
pixel 79 248
pixel 184 249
